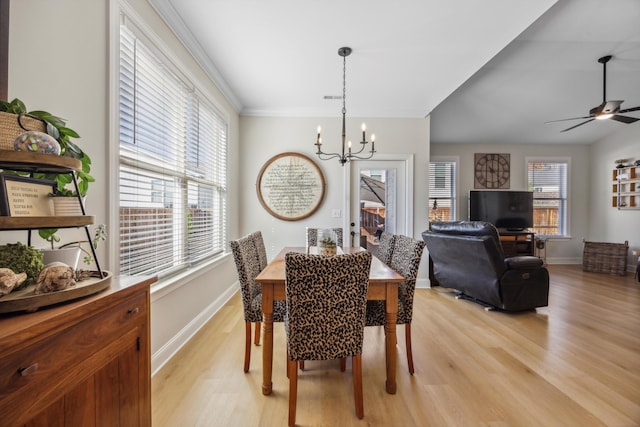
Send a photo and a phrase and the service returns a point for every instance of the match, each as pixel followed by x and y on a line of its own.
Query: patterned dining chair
pixel 245 255
pixel 385 247
pixel 262 252
pixel 405 260
pixel 312 236
pixel 326 302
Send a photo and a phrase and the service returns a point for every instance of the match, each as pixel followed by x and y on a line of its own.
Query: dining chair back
pixel 312 236
pixel 405 260
pixel 245 255
pixel 325 318
pixel 386 244
pixel 260 249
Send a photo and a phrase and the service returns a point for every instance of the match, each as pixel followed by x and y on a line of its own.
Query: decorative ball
pixel 37 142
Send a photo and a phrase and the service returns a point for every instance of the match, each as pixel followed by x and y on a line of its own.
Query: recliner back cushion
pixel 463 262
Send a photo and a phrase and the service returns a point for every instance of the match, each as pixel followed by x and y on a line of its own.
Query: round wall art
pixel 290 186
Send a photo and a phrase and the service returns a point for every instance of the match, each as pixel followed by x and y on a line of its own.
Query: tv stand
pixel 517 242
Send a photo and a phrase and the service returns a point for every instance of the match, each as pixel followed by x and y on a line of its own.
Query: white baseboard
pixel 167 351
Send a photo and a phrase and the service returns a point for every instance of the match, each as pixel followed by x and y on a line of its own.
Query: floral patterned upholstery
pixel 245 255
pixel 312 236
pixel 385 247
pixel 326 299
pixel 405 260
pixel 326 302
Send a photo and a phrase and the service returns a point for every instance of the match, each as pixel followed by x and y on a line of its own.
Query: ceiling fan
pixel 606 110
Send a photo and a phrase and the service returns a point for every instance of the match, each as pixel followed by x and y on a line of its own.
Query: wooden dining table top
pixel 275 270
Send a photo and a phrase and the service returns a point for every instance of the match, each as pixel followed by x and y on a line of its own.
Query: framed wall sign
pixel 290 186
pixel 492 171
pixel 21 196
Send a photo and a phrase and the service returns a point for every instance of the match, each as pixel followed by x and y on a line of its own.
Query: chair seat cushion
pixel 376 314
pixel 255 314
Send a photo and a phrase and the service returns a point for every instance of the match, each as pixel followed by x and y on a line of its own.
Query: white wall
pixel 59 62
pixel 559 251
pixel 606 223
pixel 262 138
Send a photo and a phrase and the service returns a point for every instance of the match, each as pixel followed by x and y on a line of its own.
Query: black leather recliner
pixel 467 256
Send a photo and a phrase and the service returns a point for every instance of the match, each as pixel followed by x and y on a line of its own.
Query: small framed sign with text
pixel 21 196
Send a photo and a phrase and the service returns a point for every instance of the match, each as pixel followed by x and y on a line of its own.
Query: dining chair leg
pixel 407 335
pixel 343 364
pixel 302 365
pixel 292 368
pixel 247 345
pixel 357 385
pixel 256 340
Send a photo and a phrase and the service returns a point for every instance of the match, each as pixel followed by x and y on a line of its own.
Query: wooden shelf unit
pixel 517 243
pixel 30 162
pixel 626 188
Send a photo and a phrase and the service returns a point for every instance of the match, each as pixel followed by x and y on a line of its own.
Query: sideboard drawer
pixel 61 360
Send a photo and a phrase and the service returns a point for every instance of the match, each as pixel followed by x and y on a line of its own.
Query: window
pixel 442 191
pixel 548 181
pixel 173 156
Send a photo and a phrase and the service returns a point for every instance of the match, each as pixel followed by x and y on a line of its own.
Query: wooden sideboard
pixel 81 363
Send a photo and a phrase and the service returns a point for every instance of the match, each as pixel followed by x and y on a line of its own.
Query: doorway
pixel 381 199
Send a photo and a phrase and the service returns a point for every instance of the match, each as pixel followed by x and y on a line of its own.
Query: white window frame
pixel 567 213
pixel 455 211
pixel 157 45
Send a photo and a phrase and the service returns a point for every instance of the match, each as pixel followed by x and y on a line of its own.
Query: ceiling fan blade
pixel 626 110
pixel 579 124
pixel 624 119
pixel 611 107
pixel 564 120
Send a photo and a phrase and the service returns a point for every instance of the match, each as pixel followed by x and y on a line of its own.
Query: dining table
pixel 383 285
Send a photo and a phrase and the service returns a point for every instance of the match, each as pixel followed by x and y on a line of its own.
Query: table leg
pixel 267 345
pixel 390 335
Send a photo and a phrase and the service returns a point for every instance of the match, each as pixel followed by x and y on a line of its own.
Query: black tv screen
pixel 511 210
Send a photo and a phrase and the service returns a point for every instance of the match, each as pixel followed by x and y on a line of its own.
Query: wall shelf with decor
pixel 626 188
pixel 37 213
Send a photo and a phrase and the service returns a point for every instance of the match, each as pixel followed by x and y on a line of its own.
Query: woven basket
pixel 12 125
pixel 601 257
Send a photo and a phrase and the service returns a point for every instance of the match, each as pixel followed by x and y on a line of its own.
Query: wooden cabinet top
pixel 20 329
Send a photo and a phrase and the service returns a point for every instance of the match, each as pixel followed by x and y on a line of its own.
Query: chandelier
pixel 350 154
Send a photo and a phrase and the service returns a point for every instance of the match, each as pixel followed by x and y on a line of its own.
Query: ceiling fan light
pixel 604 116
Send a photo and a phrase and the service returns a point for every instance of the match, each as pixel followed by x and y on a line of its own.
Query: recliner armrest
pixel 521 262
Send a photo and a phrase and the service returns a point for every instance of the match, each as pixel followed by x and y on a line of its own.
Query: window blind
pixel 173 160
pixel 548 181
pixel 442 191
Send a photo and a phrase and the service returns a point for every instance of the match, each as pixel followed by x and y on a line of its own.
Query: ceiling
pixel 494 73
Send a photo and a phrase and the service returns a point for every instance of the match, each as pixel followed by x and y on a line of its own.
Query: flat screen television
pixel 511 210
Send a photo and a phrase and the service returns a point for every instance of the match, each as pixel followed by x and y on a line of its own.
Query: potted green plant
pixel 69 253
pixel 57 128
pixel 327 245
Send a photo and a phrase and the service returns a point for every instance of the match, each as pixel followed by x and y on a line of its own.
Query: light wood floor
pixel 574 363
